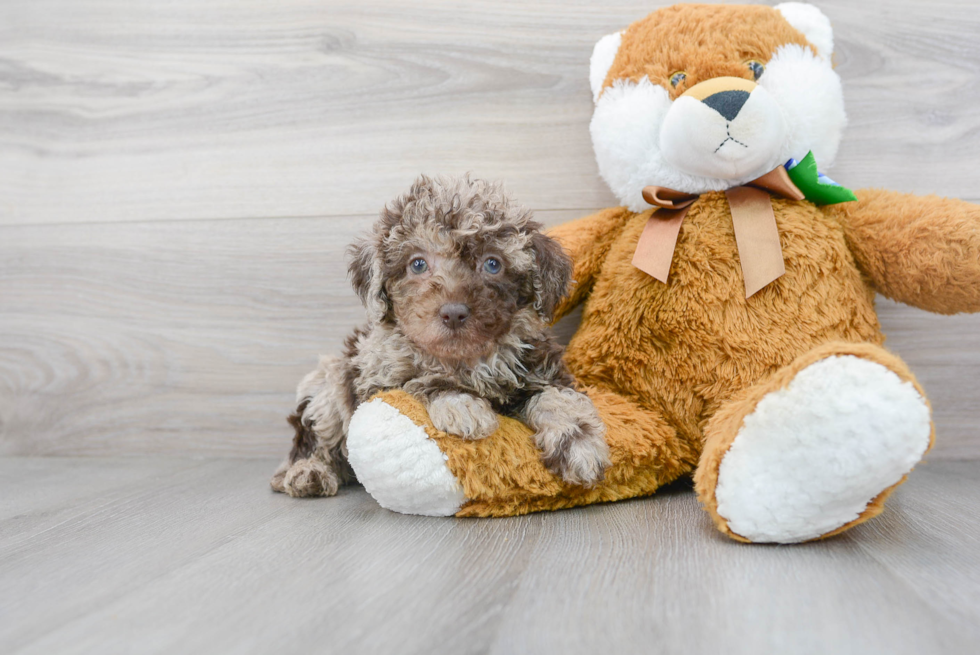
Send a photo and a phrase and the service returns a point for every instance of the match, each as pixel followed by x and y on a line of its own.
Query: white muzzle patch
pixel 641 137
pixel 728 135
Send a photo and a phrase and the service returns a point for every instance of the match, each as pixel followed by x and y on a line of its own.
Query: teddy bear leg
pixel 398 464
pixel 816 448
pixel 409 466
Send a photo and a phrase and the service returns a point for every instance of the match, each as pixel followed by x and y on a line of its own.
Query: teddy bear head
pixel 703 98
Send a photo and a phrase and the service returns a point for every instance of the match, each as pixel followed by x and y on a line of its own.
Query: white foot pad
pixel 398 464
pixel 811 457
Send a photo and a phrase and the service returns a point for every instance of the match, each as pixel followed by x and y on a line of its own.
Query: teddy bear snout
pixel 724 128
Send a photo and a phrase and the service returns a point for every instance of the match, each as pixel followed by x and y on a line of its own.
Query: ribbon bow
pixel 756 234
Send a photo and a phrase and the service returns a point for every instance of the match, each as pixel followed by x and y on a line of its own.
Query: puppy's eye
pixel 677 78
pixel 492 265
pixel 756 67
pixel 418 265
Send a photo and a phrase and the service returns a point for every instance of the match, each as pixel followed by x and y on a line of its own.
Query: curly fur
pixel 462 414
pixel 569 433
pixel 498 360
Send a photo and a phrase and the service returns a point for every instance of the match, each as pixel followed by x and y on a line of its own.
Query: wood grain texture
pixel 178 182
pixel 164 555
pixel 190 337
pixel 113 110
pixel 167 336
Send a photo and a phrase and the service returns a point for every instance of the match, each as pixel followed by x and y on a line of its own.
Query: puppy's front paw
pixel 580 458
pixel 307 477
pixel 570 434
pixel 463 415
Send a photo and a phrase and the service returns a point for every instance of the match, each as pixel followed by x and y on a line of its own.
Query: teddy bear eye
pixel 677 78
pixel 756 67
pixel 492 265
pixel 418 266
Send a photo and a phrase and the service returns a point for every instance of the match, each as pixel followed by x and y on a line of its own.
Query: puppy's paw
pixel 570 434
pixel 308 477
pixel 279 476
pixel 463 415
pixel 578 459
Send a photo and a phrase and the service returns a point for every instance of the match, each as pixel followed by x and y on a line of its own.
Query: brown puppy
pixel 459 286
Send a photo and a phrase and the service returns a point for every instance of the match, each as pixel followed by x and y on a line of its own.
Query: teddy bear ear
pixel 603 56
pixel 813 23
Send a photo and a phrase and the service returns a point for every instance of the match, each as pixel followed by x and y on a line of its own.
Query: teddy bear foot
pixel 818 451
pixel 399 466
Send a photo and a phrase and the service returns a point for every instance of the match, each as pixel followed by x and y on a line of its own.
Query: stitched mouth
pixel 728 138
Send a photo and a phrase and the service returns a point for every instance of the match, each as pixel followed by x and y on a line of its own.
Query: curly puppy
pixel 459 286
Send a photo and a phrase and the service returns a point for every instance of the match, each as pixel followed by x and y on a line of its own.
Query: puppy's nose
pixel 727 103
pixel 454 314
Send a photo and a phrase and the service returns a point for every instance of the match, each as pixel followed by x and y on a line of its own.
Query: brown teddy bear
pixel 729 328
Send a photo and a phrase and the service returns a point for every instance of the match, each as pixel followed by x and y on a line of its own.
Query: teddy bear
pixel 728 328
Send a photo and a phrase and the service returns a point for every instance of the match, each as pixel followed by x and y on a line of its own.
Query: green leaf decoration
pixel 807 178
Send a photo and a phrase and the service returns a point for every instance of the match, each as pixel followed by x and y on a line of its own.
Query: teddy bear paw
pixel 402 469
pixel 811 457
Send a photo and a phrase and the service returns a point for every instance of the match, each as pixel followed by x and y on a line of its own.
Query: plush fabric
pixel 503 474
pixel 794 420
pixel 399 465
pixel 821 436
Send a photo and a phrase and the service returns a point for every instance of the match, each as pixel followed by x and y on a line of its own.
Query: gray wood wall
pixel 178 181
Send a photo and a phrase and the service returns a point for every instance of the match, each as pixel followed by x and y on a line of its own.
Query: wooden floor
pixel 164 555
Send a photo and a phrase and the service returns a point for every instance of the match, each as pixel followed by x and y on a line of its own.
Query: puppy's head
pixel 457 268
pixel 707 97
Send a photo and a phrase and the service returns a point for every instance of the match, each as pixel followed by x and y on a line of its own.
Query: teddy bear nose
pixel 727 103
pixel 454 314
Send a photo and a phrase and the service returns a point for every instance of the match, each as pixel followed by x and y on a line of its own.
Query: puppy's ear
pixel 553 274
pixel 366 275
pixel 360 256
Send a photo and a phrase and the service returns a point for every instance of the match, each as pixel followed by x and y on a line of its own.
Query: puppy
pixel 459 286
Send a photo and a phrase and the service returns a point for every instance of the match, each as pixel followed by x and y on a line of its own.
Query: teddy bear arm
pixel 587 241
pixel 920 250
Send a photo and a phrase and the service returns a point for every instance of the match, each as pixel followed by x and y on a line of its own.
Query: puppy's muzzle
pixel 454 315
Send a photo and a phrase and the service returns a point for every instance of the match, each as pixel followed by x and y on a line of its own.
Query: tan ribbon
pixel 756 234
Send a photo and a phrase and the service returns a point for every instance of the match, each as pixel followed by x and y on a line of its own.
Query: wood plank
pixel 215 562
pixel 119 540
pixel 122 111
pixel 929 537
pixel 253 571
pixel 121 338
pixel 42 494
pixel 655 577
pixel 190 337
